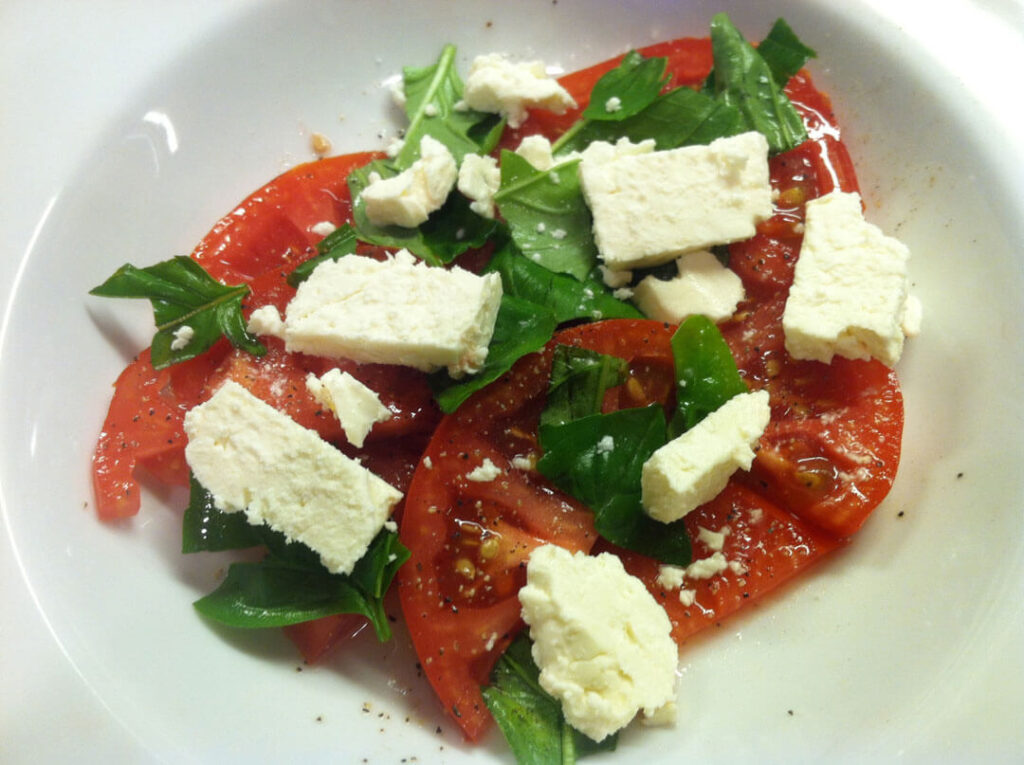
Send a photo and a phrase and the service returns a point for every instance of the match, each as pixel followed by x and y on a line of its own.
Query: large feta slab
pixel 255 459
pixel 407 199
pixel 395 311
pixel 850 287
pixel 701 286
pixel 495 84
pixel 694 467
pixel 649 208
pixel 601 641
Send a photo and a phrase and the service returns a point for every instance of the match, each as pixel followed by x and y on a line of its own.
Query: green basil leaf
pixel 521 327
pixel 784 52
pixel 373 572
pixel 445 235
pixel 706 373
pixel 743 79
pixel 681 117
pixel 634 83
pixel 183 294
pixel 567 297
pixel 599 460
pixel 204 527
pixel 531 719
pixel 431 95
pixel 340 242
pixel 545 211
pixel 579 379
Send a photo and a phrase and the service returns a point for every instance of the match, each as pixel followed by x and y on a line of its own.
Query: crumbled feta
pixel 356 406
pixel 705 568
pixel 265 320
pixel 615 279
pixel 182 337
pixel 495 84
pixel 605 445
pixel 694 467
pixel 536 149
pixel 912 316
pixel 255 459
pixel 849 288
pixel 395 311
pixel 702 286
pixel 323 228
pixel 484 472
pixel 480 179
pixel 713 540
pixel 524 463
pixel 604 658
pixel 613 104
pixel 407 199
pixel 649 208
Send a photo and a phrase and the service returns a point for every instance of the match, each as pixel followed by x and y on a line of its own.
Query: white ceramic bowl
pixel 130 128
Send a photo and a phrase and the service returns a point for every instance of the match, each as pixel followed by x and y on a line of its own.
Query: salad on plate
pixel 572 371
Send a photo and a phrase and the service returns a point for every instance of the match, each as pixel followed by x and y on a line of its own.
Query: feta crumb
pixel 536 149
pixel 394 148
pixel 182 337
pixel 603 658
pixel 559 233
pixel 713 540
pixel 390 525
pixel 479 180
pixel 613 104
pixel 687 597
pixel 912 315
pixel 323 228
pixel 495 84
pixel 623 293
pixel 356 406
pixel 407 199
pixel 428 463
pixel 486 471
pixel 615 279
pixel 705 568
pixel 605 445
pixel 430 110
pixel 523 463
pixel 265 320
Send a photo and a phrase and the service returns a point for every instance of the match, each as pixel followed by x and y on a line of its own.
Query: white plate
pixel 136 125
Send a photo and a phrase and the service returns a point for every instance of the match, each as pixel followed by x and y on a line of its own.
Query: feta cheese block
pixel 649 208
pixel 850 286
pixel 496 84
pixel 255 459
pixel 395 311
pixel 407 199
pixel 702 286
pixel 601 641
pixel 479 180
pixel 356 406
pixel 694 467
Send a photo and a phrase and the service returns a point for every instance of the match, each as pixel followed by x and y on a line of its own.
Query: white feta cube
pixel 407 199
pixel 395 311
pixel 255 459
pixel 850 286
pixel 495 84
pixel 356 406
pixel 650 208
pixel 702 286
pixel 694 467
pixel 601 641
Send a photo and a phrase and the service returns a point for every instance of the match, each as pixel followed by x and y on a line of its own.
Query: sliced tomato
pixel 142 424
pixel 315 638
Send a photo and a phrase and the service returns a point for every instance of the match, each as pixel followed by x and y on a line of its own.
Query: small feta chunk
pixel 694 467
pixel 484 472
pixel 407 199
pixel 849 288
pixel 615 279
pixel 255 459
pixel 356 406
pixel 613 104
pixel 395 311
pixel 649 208
pixel 601 641
pixel 479 180
pixel 713 540
pixel 536 149
pixel 912 315
pixel 496 84
pixel 182 337
pixel 323 228
pixel 702 286
pixel 265 320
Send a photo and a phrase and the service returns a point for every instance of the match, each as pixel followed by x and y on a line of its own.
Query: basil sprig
pixel 289 585
pixel 530 718
pixel 184 295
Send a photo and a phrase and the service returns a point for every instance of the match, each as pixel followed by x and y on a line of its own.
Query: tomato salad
pixel 810 486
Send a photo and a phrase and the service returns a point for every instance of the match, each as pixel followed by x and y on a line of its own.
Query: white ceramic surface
pixel 128 128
